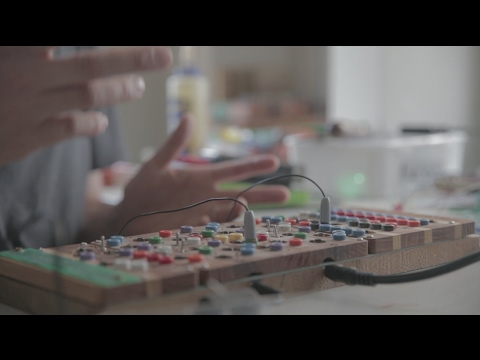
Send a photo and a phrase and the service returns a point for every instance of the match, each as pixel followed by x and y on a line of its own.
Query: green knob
pixel 300 235
pixel 208 233
pixel 205 250
pixel 155 240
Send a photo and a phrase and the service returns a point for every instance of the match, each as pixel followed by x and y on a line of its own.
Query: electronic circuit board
pixel 119 269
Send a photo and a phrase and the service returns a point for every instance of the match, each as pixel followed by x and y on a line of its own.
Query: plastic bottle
pixel 188 90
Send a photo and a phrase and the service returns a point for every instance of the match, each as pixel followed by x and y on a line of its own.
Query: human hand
pixel 44 100
pixel 159 186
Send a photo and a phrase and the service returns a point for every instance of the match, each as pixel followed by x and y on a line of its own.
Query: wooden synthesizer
pixel 287 250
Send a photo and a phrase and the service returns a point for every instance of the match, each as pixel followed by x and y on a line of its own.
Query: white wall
pixel 355 89
pixel 417 86
pixel 431 85
pixel 436 86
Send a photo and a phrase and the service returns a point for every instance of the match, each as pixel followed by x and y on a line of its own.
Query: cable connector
pixel 249 225
pixel 348 276
pixel 325 211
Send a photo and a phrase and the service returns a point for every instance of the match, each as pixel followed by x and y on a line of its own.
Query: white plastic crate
pixel 376 167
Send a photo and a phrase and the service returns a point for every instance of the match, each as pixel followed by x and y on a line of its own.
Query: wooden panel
pixel 38 289
pixel 395 262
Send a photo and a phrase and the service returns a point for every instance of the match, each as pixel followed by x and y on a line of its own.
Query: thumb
pixel 175 144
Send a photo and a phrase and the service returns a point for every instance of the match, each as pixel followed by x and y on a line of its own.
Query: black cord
pixel 352 277
pixel 270 179
pixel 180 209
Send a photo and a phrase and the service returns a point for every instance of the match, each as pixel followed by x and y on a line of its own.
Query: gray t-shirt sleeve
pixel 45 191
pixel 109 147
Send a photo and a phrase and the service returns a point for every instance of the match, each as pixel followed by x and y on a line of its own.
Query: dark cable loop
pixel 180 209
pixel 270 179
pixel 351 276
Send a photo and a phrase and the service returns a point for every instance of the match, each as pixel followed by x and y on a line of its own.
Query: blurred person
pixel 59 129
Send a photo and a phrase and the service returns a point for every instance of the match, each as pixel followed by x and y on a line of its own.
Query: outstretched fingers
pixel 245 168
pixel 90 95
pixel 24 52
pixel 98 63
